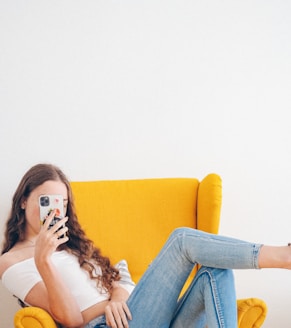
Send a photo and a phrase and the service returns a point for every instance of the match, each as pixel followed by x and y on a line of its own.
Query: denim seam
pixel 216 299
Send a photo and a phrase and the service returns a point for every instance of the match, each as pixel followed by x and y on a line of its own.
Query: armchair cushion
pixel 125 275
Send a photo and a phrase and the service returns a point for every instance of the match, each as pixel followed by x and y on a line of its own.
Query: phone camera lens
pixel 44 201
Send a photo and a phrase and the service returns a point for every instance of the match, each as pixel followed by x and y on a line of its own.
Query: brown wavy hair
pixel 78 243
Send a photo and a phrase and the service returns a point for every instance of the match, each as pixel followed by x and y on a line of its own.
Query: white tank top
pixel 22 276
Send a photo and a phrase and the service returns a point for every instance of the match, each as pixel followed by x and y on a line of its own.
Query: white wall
pixel 137 89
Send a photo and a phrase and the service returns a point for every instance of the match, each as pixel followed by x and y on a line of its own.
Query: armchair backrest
pixel 131 219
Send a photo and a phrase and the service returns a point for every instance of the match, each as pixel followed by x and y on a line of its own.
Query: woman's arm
pixel 117 312
pixel 52 294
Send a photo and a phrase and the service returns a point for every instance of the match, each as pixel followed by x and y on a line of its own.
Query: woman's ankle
pixel 275 257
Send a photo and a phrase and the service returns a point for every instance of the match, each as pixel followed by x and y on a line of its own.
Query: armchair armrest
pixel 251 312
pixel 35 317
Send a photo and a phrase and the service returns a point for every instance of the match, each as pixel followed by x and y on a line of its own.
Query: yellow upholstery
pixel 252 312
pixel 131 219
pixel 33 317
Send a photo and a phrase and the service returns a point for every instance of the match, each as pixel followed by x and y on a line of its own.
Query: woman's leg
pixel 154 299
pixel 210 299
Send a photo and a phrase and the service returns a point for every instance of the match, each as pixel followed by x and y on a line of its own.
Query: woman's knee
pixel 217 274
pixel 181 231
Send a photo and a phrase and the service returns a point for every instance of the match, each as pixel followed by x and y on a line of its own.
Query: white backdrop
pixel 138 89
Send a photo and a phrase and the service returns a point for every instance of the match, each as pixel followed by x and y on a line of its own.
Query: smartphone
pixel 48 203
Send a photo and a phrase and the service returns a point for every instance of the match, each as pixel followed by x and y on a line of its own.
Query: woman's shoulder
pixel 6 260
pixel 13 256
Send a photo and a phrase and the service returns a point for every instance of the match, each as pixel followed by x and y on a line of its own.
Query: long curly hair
pixel 78 243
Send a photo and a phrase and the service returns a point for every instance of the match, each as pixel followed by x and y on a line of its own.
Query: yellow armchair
pixel 131 219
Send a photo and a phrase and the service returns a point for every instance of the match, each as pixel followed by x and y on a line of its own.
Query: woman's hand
pixel 49 239
pixel 117 312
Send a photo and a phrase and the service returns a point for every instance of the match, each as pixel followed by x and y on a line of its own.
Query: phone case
pixel 47 203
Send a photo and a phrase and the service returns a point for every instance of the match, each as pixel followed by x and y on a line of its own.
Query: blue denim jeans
pixel 99 322
pixel 210 299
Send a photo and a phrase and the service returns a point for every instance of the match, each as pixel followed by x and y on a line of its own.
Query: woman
pixel 79 287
